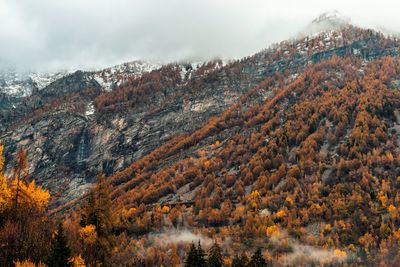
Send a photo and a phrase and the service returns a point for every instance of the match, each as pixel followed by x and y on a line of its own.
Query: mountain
pixel 24 84
pixel 304 161
pixel 294 149
pixel 328 21
pixel 140 106
pixel 333 19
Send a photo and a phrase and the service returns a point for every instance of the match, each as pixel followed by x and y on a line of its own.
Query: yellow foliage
pixel 28 195
pixel 27 263
pixel 383 199
pixel 165 209
pixel 389 156
pixel 126 213
pixel 88 234
pixel 328 227
pixel 352 247
pixel 340 254
pixel 206 164
pixel 32 195
pixel 272 230
pixel 240 210
pixel 396 234
pixel 392 210
pixel 281 214
pixel 289 200
pixel 255 194
pixel 39 196
pixel 131 211
pixel 77 261
pixel 5 193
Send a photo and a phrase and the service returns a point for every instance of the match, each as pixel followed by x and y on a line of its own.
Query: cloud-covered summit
pixel 70 34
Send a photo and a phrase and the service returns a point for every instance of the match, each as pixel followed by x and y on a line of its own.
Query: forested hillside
pixel 287 157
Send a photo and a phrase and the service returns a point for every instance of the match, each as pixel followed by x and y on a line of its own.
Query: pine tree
pixel 60 252
pixel 195 257
pixel 236 262
pixel 215 256
pixel 257 260
pixel 191 259
pixel 240 261
pixel 201 256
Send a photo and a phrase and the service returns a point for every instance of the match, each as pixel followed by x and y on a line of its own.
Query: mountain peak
pixel 331 18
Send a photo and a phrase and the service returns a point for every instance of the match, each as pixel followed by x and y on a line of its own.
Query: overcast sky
pixel 69 34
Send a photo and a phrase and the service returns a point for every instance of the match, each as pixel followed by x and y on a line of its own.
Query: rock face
pixel 69 143
pixel 24 84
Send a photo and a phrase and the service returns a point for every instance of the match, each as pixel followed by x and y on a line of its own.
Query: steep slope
pixel 293 148
pixel 75 128
pixel 312 158
pixel 318 161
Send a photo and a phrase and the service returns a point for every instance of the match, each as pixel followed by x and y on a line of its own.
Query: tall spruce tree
pixel 60 253
pixel 195 257
pixel 215 256
pixel 191 259
pixel 240 261
pixel 257 260
pixel 201 256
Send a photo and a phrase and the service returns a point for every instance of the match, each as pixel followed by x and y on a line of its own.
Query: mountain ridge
pixel 293 150
pixel 172 92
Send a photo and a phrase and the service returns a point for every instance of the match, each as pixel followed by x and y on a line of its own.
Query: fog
pixel 44 35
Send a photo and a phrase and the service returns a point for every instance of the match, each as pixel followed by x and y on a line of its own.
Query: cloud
pixel 49 35
pixel 301 253
pixel 185 236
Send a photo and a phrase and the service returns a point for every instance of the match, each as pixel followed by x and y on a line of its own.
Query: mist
pixel 47 35
pixel 175 236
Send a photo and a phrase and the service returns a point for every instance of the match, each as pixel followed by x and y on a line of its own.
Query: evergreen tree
pixel 60 252
pixel 215 256
pixel 195 257
pixel 236 262
pixel 201 256
pixel 191 259
pixel 240 261
pixel 257 260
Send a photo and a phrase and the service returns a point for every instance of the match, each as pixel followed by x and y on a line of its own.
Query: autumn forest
pixel 301 169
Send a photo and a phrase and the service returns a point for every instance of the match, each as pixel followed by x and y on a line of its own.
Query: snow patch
pixel 112 77
pixel 90 109
pixel 17 84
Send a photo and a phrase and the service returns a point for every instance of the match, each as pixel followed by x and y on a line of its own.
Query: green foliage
pixel 257 260
pixel 240 261
pixel 215 256
pixel 195 257
pixel 60 252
